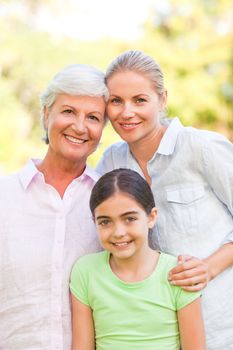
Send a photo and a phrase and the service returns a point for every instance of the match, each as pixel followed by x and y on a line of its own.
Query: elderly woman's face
pixel 75 125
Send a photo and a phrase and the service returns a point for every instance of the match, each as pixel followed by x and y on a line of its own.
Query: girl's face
pixel 134 106
pixel 123 226
pixel 75 125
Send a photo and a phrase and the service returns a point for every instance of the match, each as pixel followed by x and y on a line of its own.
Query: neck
pixel 136 268
pixel 59 173
pixel 144 149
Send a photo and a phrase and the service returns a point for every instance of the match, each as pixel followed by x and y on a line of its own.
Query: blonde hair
pixel 139 62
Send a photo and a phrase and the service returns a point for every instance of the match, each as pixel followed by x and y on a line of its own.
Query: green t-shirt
pixel 130 316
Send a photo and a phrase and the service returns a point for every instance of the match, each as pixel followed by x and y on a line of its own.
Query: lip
pixel 129 126
pixel 74 140
pixel 121 245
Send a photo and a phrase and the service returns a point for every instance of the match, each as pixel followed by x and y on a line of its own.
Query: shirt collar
pixel 30 171
pixel 168 142
pixel 88 172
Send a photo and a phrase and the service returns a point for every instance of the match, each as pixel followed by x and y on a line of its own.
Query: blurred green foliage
pixel 192 41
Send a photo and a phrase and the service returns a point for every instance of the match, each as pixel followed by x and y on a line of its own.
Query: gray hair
pixel 76 80
pixel 139 62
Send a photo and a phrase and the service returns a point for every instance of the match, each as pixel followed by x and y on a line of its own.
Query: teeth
pixel 73 139
pixel 128 125
pixel 121 244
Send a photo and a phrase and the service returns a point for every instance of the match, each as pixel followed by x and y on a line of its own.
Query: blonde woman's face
pixel 134 106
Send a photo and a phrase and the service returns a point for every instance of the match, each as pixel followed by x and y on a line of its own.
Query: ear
pixel 152 217
pixel 163 100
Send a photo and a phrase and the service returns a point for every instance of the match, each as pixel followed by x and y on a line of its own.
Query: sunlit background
pixel 192 41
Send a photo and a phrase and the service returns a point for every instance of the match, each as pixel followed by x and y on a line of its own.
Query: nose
pixel 119 231
pixel 128 111
pixel 79 125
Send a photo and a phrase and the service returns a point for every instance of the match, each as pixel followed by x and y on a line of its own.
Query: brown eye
pixel 129 219
pixel 140 100
pixel 68 111
pixel 103 222
pixel 115 101
pixel 94 118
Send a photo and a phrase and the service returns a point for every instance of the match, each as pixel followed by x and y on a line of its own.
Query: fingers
pixel 195 265
pixel 189 281
pixel 190 273
pixel 182 258
pixel 195 288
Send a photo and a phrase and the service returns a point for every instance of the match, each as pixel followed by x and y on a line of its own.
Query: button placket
pixel 56 282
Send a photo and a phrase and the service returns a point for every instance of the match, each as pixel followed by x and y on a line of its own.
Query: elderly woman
pixel 45 224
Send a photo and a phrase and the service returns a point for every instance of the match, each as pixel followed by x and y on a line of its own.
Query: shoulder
pixel 8 183
pixel 205 146
pixel 87 262
pixel 115 156
pixel 178 297
pixel 167 262
pixel 117 148
pixel 7 179
pixel 203 137
pixel 11 193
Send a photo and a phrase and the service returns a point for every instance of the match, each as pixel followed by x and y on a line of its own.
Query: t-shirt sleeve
pixel 78 283
pixel 183 298
pixel 179 297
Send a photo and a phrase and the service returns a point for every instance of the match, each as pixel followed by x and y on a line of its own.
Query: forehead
pixel 136 82
pixel 118 204
pixel 90 102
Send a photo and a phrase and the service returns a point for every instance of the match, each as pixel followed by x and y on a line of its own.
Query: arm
pixel 193 274
pixel 191 326
pixel 83 335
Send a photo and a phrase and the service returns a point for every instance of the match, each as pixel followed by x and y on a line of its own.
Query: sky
pixel 85 19
pixel 92 19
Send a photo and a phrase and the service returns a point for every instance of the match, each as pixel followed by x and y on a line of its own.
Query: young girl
pixel 121 298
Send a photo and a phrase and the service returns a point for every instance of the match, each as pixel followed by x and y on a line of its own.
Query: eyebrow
pixel 102 217
pixel 140 94
pixel 64 106
pixel 124 214
pixel 130 212
pixel 68 106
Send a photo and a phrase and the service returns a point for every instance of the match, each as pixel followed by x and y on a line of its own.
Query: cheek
pixel 96 133
pixel 151 114
pixel 103 236
pixel 56 122
pixel 112 111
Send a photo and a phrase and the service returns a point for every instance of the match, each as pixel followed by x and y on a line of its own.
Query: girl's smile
pixel 123 226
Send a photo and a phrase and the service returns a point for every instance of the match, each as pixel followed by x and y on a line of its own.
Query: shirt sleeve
pixel 183 298
pixel 78 284
pixel 218 163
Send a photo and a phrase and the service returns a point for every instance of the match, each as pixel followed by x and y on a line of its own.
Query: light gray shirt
pixel 192 183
